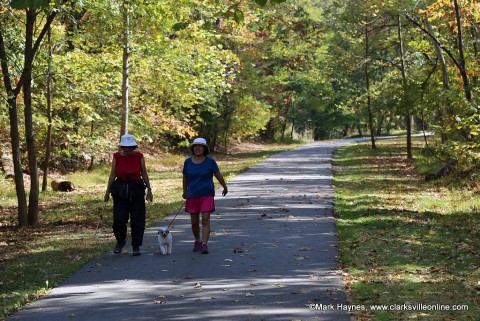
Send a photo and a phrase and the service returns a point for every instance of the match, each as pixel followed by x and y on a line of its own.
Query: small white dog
pixel 165 240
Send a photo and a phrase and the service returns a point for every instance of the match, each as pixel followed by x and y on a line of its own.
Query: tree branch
pixel 35 47
pixel 3 62
pixel 428 33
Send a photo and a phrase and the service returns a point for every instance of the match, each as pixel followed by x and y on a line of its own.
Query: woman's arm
pixel 146 180
pixel 184 185
pixel 220 179
pixel 111 178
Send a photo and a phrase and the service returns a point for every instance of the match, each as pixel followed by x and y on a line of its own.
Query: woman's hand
pixel 149 195
pixel 225 191
pixel 106 197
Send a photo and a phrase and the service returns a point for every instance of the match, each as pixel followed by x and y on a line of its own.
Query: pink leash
pixel 175 216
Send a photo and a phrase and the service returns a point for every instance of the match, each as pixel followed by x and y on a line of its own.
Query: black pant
pixel 133 208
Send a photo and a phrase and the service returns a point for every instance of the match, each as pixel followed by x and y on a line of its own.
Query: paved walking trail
pixel 272 253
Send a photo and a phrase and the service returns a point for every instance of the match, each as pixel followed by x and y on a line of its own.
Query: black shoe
pixel 118 248
pixel 136 251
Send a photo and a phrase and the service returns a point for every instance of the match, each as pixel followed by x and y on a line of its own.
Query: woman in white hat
pixel 127 182
pixel 199 190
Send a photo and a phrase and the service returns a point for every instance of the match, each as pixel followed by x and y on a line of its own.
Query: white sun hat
pixel 199 141
pixel 127 140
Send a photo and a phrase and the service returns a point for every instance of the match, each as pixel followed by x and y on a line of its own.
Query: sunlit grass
pixel 403 239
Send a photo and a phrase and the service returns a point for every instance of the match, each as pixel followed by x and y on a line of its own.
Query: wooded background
pixel 77 74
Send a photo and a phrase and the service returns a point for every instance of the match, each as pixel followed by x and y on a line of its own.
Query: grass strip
pixel 409 245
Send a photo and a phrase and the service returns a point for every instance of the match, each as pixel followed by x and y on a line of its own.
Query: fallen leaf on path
pixel 305 248
pixel 159 302
pixel 302 258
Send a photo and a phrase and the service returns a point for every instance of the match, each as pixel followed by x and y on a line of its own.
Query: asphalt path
pixel 273 252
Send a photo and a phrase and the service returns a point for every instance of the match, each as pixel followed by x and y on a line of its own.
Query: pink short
pixel 201 204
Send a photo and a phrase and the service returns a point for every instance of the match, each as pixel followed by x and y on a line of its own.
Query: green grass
pixel 75 227
pixel 404 240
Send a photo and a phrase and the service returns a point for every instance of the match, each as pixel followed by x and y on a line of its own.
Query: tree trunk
pixel 359 129
pixel 406 103
pixel 29 132
pixel 62 185
pixel 380 120
pixel 476 41
pixel 460 64
pixel 14 137
pixel 125 67
pixel 443 112
pixel 445 169
pixel 227 119
pixel 7 165
pixel 293 129
pixel 463 67
pixel 12 94
pixel 284 129
pixel 369 99
pixel 48 144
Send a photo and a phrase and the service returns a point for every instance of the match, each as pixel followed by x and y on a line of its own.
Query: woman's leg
pixel 205 227
pixel 120 219
pixel 137 221
pixel 195 220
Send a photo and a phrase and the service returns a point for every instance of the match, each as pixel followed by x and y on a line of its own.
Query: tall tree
pixel 49 94
pixel 125 65
pixel 27 215
pixel 406 106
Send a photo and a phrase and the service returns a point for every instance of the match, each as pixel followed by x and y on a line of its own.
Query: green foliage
pixel 291 66
pixel 249 117
pixel 31 4
pixel 261 2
